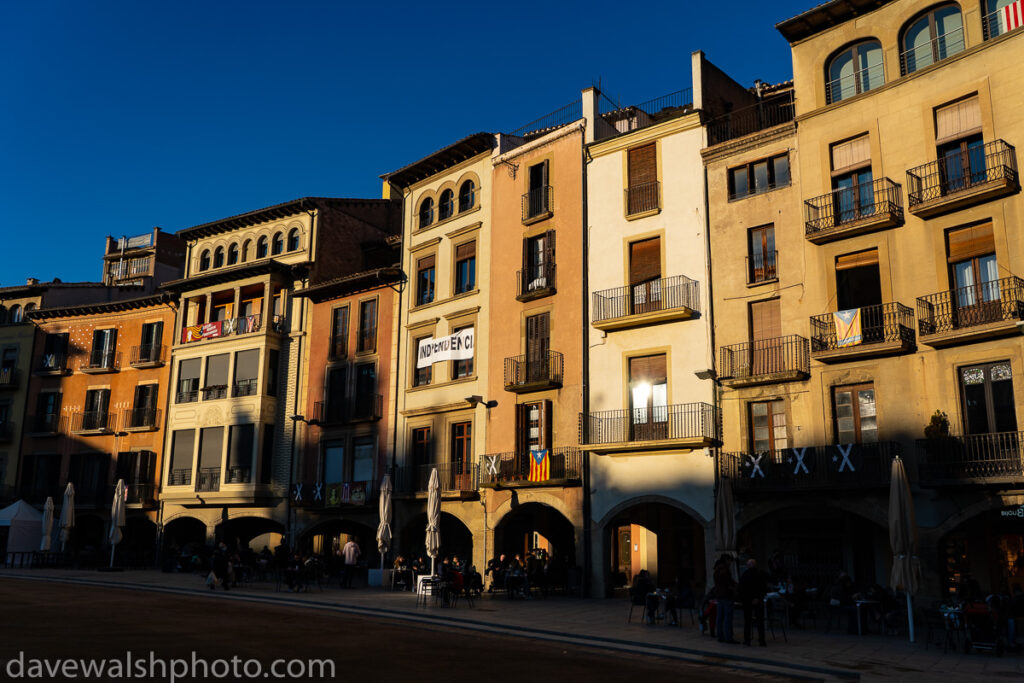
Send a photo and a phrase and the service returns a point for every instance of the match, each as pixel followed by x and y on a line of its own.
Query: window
pixel 538 343
pixel 188 380
pixel 143 412
pixel 88 472
pixel 765 328
pixel 339 332
pixel 293 239
pixel 151 341
pixel 246 250
pixel 768 427
pixel 273 359
pixel 94 414
pixel 974 275
pixel 855 70
pixel 462 446
pixel 47 417
pixel 462 368
pixel 988 403
pixel 363 450
pixel 1001 16
pixel 267 455
pixel 8 363
pixel 15 315
pixel 962 164
pixel 55 352
pixel 446 205
pixel 211 458
pixel 261 247
pixel 465 267
pixel 334 462
pixel 422 375
pixel 426 212
pixel 367 326
pixel 533 426
pixel 645 275
pixel 858 282
pixel 217 368
pixel 762 255
pixel 759 176
pixel 642 189
pixel 240 453
pixel 648 397
pixel 218 257
pixel 538 263
pixel 337 390
pixel 277 246
pixel 232 254
pixel 422 447
pixel 853 191
pixel 467 195
pixel 537 201
pixel 425 272
pixel 933 37
pixel 247 370
pixel 854 407
pixel 136 468
pixel 204 260
pixel 104 345
pixel 365 405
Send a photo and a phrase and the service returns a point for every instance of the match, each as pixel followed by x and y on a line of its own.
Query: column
pixel 209 308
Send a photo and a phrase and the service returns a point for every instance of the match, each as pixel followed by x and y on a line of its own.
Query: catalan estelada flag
pixel 1011 17
pixel 848 332
pixel 540 465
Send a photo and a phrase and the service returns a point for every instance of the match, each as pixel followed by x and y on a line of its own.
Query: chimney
pixel 591 96
pixel 32 281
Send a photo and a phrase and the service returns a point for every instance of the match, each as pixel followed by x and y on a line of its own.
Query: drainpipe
pixel 585 239
pixel 290 526
pixel 398 342
pixel 716 387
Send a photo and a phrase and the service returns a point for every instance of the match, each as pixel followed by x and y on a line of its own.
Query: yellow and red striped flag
pixel 540 465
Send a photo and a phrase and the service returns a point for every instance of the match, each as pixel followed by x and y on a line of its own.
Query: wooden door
pixel 538 343
pixel 765 332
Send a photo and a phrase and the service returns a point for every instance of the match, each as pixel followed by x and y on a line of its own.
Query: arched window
pixel 467 195
pixel 246 250
pixel 996 21
pixel 204 260
pixel 232 254
pixel 277 246
pixel 856 69
pixel 938 34
pixel 426 212
pixel 3 315
pixel 261 248
pixel 293 239
pixel 30 307
pixel 446 205
pixel 218 257
pixel 15 314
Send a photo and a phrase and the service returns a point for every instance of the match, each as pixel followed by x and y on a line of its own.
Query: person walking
pixel 351 553
pixel 725 595
pixel 752 589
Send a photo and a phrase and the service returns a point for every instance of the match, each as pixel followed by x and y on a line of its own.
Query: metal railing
pixel 762 267
pixel 545 368
pixel 347 409
pixel 535 280
pixel 567 114
pixel 665 294
pixel 538 202
pixel 565 464
pixel 657 423
pixel 147 353
pixel 208 479
pixel 766 357
pixel 140 493
pixel 215 392
pixel 48 423
pixel 135 267
pixel 891 322
pixel 978 456
pixel 860 81
pixel 232 326
pixel 8 378
pixel 93 421
pixel 765 113
pixel 452 477
pixel 964 307
pixel 100 360
pixel 245 387
pixel 142 418
pixel 995 24
pixel 835 466
pixel 239 475
pixel 961 171
pixel 642 197
pixel 935 50
pixel 367 407
pixel 181 476
pixel 331 411
pixel 135 242
pixel 53 362
pixel 876 199
pixel 190 396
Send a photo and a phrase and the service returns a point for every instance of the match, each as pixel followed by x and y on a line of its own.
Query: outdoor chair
pixel 637 600
pixel 776 613
pixel 429 588
pixel 935 629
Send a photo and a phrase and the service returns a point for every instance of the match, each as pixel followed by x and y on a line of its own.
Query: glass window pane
pixel 949 27
pixel 739 182
pixel 870 63
pixel 761 176
pixel 781 169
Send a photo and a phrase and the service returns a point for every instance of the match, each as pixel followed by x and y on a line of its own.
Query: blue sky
pixel 120 116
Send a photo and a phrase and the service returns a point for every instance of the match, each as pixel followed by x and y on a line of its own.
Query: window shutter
pixel 851 154
pixel 526 262
pixel 522 427
pixel 858 260
pixel 425 262
pixel 643 165
pixel 182 447
pixel 765 320
pixel 957 120
pixel 545 425
pixel 211 447
pixel 652 369
pixel 464 251
pixel 644 260
pixel 549 248
pixel 967 243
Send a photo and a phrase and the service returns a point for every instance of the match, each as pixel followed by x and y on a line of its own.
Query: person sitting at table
pixel 643 593
pixel 680 596
pixel 497 567
pixel 841 598
pixel 473 581
pixel 456 563
pixel 796 596
pixel 516 583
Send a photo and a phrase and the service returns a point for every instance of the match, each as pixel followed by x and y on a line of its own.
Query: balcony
pixel 49 424
pixel 9 378
pixel 960 180
pixel 972 313
pixel 766 113
pixel 856 210
pixel 179 477
pixel 140 494
pixel 52 364
pixel 93 422
pixel 995 458
pixel 534 283
pixel 132 269
pixel 456 480
pixel 885 330
pixel 683 426
pixel 92 495
pixel 7 430
pixel 814 468
pixel 642 199
pixel 671 298
pixel 367 407
pixel 534 372
pixel 995 24
pixel 249 324
pixel 99 362
pixel 208 479
pixel 766 361
pixel 538 204
pixel 362 408
pixel 148 356
pixel 142 420
pixel 239 475
pixel 319 495
pixel 518 470
pixel 215 392
pixel 245 387
pixel 762 268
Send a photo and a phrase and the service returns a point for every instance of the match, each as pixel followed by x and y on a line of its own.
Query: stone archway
pixel 456 538
pixel 536 525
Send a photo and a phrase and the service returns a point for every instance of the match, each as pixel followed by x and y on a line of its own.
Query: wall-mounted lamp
pixel 706 374
pixel 302 418
pixel 475 400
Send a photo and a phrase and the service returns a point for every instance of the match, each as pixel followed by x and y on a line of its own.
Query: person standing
pixel 351 553
pixel 753 587
pixel 725 594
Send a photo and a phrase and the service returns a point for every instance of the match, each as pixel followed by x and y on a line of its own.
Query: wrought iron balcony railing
pixel 245 387
pixel 8 378
pixel 208 479
pixel 140 494
pixel 52 363
pixel 642 197
pixel 98 421
pixel 564 467
pixel 534 371
pixel 461 477
pixel 148 354
pixel 971 459
pixel 232 326
pixel 181 476
pixel 766 113
pixel 239 475
pixel 686 421
pixel 762 267
pixel 348 409
pixel 538 202
pixel 763 359
pixel 215 392
pixel 678 292
pixel 100 361
pixel 967 307
pixel 367 407
pixel 891 322
pixel 879 200
pixel 535 282
pixel 142 418
pixel 835 466
pixel 47 423
pixel 962 173
pixel 326 494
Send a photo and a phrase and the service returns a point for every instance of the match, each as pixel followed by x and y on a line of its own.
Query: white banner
pixel 458 346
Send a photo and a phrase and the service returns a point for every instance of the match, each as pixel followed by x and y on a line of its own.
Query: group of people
pixel 517 576
pixel 678 596
pixel 749 591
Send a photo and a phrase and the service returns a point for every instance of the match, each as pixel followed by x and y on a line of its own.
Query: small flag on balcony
pixel 211 330
pixel 847 324
pixel 540 465
pixel 1011 16
pixel 193 333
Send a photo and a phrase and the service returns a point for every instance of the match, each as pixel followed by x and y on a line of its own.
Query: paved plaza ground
pixel 371 631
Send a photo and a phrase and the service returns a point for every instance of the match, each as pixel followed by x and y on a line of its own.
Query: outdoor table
pixel 861 604
pixel 662 596
pixel 419 581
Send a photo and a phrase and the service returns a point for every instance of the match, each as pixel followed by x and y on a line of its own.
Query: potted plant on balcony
pixel 940 447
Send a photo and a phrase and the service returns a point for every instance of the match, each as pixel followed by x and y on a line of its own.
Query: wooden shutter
pixel 858 260
pixel 522 427
pixel 765 320
pixel 652 369
pixel 957 120
pixel 851 154
pixel 425 262
pixel 538 332
pixel 644 260
pixel 967 243
pixel 464 251
pixel 545 424
pixel 643 165
pixel 549 250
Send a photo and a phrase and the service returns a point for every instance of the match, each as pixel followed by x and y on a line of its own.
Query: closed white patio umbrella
pixel 44 543
pixel 67 516
pixel 384 528
pixel 116 518
pixel 433 520
pixel 903 538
